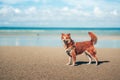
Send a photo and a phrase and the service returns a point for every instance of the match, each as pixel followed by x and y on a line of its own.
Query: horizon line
pixel 60 28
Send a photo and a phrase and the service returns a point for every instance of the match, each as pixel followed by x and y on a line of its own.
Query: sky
pixel 60 13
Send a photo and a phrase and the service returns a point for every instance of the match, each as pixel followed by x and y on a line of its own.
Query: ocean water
pixel 107 38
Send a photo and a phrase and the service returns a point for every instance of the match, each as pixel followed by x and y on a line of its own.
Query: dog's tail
pixel 93 37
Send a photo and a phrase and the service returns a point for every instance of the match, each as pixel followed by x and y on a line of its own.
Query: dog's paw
pixel 88 63
pixel 74 65
pixel 97 64
pixel 68 64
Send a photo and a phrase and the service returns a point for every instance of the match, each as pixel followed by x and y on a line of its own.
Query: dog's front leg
pixel 73 57
pixel 69 61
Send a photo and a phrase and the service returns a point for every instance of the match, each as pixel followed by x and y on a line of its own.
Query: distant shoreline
pixel 53 28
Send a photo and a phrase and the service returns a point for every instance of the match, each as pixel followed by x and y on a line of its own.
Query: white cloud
pixel 6 11
pixel 98 12
pixel 65 9
pixel 31 10
pixel 73 12
pixel 9 11
pixel 114 12
pixel 13 1
pixel 17 11
pixel 3 11
pixel 37 0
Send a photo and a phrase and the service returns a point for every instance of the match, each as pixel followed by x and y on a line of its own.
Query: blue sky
pixel 60 13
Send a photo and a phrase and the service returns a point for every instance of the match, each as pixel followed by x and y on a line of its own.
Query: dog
pixel 74 48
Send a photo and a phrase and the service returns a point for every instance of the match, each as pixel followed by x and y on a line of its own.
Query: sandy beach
pixel 48 63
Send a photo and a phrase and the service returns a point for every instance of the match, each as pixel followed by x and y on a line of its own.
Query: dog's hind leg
pixel 96 59
pixel 93 55
pixel 89 57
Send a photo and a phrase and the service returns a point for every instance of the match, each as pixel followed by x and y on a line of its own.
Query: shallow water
pixel 53 37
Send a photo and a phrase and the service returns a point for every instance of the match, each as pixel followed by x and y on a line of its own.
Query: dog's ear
pixel 68 34
pixel 62 33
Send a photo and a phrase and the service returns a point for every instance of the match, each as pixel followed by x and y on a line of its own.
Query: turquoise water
pixel 52 38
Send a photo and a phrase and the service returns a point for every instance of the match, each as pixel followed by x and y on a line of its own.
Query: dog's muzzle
pixel 65 41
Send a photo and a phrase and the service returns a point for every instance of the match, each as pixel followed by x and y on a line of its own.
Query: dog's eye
pixel 68 37
pixel 63 37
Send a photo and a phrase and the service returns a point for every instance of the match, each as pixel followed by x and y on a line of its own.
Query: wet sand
pixel 48 63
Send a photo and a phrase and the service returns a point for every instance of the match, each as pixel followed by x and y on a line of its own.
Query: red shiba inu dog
pixel 74 48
